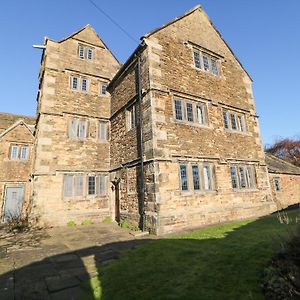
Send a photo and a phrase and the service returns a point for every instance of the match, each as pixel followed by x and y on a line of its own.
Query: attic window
pixel 206 62
pixel 85 52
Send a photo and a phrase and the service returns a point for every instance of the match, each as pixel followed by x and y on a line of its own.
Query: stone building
pixel 284 180
pixel 170 140
pixel 16 156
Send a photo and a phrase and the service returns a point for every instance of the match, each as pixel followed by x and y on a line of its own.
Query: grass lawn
pixel 219 262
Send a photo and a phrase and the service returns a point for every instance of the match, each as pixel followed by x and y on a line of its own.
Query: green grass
pixel 218 262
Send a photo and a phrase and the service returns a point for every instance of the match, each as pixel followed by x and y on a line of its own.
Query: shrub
pixel 107 219
pixel 126 224
pixel 17 224
pixel 87 222
pixel 71 224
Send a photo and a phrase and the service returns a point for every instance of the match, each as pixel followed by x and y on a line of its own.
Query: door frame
pixel 11 185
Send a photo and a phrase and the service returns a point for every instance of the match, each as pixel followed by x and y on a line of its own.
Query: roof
pixel 7 120
pixel 278 165
pixel 199 8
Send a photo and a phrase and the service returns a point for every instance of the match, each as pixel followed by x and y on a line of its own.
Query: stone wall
pixel 16 172
pixel 60 152
pixel 289 193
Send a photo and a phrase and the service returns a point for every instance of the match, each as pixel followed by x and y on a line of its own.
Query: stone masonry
pixel 173 145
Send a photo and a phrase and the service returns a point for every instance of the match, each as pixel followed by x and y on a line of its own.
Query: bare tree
pixel 287 149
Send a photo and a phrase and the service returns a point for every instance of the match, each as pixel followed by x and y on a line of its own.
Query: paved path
pixel 52 264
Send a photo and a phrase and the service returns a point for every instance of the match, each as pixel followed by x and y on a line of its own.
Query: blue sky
pixel 263 34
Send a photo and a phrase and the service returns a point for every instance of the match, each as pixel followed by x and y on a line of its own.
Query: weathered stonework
pixel 15 131
pixel 134 163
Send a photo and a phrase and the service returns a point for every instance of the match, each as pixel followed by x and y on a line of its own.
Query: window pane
pixel 84 85
pixel 23 155
pixel 68 183
pixel 91 185
pixel 183 178
pixel 243 183
pixel 102 131
pixel 234 182
pixel 207 178
pixel 197 59
pixel 102 185
pixel 81 51
pixel 241 121
pixel 90 53
pixel 82 129
pixel 196 177
pixel 277 184
pixel 132 120
pixel 14 152
pixel 74 83
pixel 233 121
pixel 73 128
pixel 178 109
pixel 205 62
pixel 250 176
pixel 79 185
pixel 103 89
pixel 225 118
pixel 214 66
pixel 201 114
pixel 189 112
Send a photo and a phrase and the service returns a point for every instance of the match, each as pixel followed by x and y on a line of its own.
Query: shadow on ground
pixel 220 262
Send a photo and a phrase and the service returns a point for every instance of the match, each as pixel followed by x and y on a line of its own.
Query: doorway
pixel 13 202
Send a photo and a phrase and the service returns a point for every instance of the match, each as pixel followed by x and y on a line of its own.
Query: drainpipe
pixel 140 144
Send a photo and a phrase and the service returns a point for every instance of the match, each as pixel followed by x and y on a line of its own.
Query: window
pixel 14 152
pixel 201 114
pixel 102 185
pixel 102 131
pixel 77 128
pixel 243 182
pixel 90 53
pixel 79 185
pixel 84 84
pixel 209 62
pixel 178 110
pixel 81 51
pixel 234 121
pixel 74 185
pixel 197 59
pixel 241 123
pixel 250 177
pixel 131 117
pixel 205 63
pixel 74 83
pixel 196 177
pixel 68 185
pixel 234 181
pixel 189 112
pixel 79 84
pixel 207 176
pixel 103 88
pixel 183 177
pixel 198 118
pixel 19 152
pixel 23 154
pixel 277 184
pixel 244 178
pixel 214 66
pixel 226 120
pixel 91 185
pixel 85 52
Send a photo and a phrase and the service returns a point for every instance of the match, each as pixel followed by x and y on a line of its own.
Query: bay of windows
pixel 242 177
pixel 190 111
pixel 81 185
pixel 234 121
pixel 206 62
